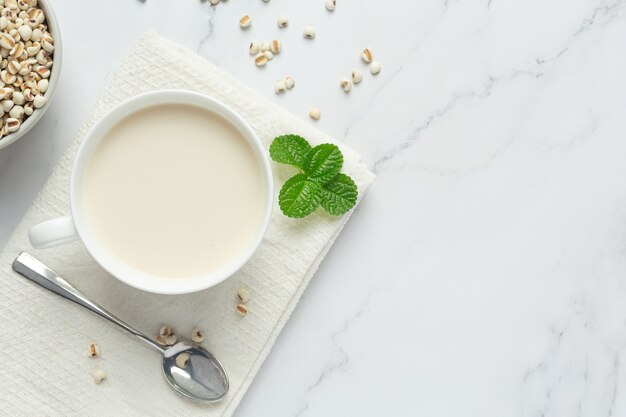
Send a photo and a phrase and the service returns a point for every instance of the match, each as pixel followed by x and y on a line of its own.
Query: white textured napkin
pixel 45 369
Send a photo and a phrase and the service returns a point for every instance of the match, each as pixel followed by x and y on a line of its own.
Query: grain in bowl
pixel 29 47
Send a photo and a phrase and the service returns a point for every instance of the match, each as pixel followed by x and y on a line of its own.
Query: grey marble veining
pixel 485 272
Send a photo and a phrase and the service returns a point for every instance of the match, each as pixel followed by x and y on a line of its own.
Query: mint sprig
pixel 319 182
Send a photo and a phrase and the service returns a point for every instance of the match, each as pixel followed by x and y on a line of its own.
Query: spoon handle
pixel 32 269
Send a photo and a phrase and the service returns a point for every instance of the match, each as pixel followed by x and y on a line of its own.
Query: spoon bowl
pixel 202 379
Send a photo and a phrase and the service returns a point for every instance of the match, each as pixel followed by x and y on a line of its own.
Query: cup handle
pixel 53 232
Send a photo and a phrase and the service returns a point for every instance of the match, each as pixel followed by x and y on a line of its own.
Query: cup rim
pixel 117 268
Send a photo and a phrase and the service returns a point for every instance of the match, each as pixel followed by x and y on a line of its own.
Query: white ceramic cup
pixel 66 229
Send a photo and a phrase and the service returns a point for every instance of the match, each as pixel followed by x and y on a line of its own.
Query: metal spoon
pixel 202 379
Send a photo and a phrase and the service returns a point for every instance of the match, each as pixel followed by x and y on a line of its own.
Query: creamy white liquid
pixel 174 191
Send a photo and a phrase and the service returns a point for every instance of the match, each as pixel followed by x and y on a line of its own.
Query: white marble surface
pixel 485 272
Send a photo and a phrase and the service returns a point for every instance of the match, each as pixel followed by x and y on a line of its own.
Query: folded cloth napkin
pixel 46 369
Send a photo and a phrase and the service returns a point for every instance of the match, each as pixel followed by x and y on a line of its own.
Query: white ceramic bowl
pixel 55 71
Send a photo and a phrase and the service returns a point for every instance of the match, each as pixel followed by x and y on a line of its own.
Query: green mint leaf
pixel 339 195
pixel 323 163
pixel 299 197
pixel 290 149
